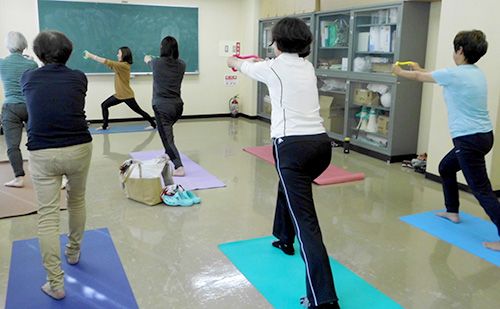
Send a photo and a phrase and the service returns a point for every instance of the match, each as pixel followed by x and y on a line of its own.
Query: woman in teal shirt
pixel 14 113
pixel 465 94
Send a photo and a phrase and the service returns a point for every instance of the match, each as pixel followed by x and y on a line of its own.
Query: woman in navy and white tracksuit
pixel 301 148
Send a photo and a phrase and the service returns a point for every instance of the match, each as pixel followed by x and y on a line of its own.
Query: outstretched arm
pixel 415 73
pixel 234 63
pixel 95 57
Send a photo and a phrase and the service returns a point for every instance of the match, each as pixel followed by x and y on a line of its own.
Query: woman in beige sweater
pixel 123 92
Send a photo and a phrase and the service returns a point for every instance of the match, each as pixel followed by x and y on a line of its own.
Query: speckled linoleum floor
pixel 170 254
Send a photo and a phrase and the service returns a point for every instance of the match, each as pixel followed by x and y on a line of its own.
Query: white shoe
pixel 17 182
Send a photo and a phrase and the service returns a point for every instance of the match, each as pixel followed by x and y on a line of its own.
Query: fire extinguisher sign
pixel 230 80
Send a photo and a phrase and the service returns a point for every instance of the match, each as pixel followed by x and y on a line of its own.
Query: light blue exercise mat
pixel 121 129
pixel 97 281
pixel 468 235
pixel 281 278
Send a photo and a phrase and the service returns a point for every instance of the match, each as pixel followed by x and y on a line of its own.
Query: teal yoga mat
pixel 467 235
pixel 281 278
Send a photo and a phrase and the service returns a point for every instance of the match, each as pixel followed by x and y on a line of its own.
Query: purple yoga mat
pixel 196 177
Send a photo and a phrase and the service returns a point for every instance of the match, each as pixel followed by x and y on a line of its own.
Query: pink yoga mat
pixel 331 175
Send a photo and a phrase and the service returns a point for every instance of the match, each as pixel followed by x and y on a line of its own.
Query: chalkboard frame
pixel 188 44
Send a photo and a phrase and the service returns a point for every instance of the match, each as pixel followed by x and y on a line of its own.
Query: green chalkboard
pixel 102 28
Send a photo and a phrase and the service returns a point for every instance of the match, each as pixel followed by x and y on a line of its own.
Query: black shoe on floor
pixel 287 248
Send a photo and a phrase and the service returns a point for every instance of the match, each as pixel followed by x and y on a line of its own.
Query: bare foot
pixel 101 128
pixel 453 217
pixel 72 259
pixel 493 245
pixel 149 128
pixel 56 294
pixel 17 182
pixel 179 171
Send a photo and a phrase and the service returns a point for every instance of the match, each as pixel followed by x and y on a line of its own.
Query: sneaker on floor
pixel 177 200
pixel 17 182
pixel 192 196
pixel 287 248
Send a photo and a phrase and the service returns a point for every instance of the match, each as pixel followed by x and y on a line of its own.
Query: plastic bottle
pixel 347 145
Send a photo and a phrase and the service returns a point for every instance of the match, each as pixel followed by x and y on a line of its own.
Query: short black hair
pixel 292 35
pixel 127 54
pixel 52 46
pixel 169 48
pixel 473 43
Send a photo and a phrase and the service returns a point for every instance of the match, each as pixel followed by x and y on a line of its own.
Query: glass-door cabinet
pixel 353 53
pixel 266 50
pixel 375 40
pixel 332 101
pixel 369 115
pixel 332 42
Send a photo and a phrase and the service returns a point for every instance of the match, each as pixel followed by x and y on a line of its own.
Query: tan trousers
pixel 47 166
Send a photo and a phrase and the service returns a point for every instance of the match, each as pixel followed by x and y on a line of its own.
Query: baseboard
pixel 461 186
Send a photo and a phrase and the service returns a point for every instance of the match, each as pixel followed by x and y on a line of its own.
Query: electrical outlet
pixel 229 48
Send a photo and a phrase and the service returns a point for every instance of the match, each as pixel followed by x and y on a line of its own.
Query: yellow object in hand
pixel 404 63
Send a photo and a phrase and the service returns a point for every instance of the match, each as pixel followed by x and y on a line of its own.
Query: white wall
pixel 428 89
pixel 203 94
pixel 457 15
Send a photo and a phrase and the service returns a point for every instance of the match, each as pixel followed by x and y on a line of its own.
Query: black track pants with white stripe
pixel 299 160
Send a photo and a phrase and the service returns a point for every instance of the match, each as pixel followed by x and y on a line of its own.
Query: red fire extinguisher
pixel 233 106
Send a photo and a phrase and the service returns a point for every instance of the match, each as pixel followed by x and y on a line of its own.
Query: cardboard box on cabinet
pixel 383 124
pixel 366 97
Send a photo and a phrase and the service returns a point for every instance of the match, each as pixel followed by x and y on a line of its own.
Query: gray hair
pixel 16 42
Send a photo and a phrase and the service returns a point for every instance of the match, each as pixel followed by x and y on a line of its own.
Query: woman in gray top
pixel 168 72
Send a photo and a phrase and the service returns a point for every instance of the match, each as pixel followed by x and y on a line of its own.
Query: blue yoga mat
pixel 467 235
pixel 281 278
pixel 97 281
pixel 121 129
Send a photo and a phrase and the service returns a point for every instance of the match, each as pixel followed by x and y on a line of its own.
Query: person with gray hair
pixel 14 112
